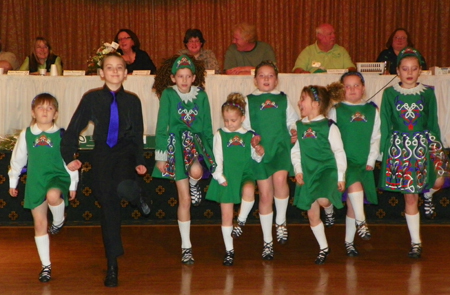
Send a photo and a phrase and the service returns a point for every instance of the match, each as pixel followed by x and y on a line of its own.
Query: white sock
pixel 227 239
pixel 430 193
pixel 329 209
pixel 58 213
pixel 281 206
pixel 357 199
pixel 413 222
pixel 43 247
pixel 246 207
pixel 193 181
pixel 266 225
pixel 185 232
pixel 319 233
pixel 350 229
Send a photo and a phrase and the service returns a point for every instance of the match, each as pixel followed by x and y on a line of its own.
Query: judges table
pixel 17 92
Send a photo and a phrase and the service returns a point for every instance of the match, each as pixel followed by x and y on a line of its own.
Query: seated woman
pixel 398 40
pixel 42 57
pixel 194 41
pixel 129 47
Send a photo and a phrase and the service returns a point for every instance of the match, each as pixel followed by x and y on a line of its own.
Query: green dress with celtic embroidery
pixel 356 125
pixel 320 171
pixel 184 133
pixel 413 155
pixel 45 169
pixel 267 113
pixel 237 168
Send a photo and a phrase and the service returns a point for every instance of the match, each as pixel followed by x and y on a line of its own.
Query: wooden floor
pixel 151 264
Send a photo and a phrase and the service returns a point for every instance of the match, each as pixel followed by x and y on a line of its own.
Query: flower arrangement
pixel 8 142
pixel 95 61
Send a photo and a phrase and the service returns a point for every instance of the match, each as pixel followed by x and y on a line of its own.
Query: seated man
pixel 246 52
pixel 8 60
pixel 324 54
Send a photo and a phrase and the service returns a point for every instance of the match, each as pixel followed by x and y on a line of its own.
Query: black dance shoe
pixel 112 276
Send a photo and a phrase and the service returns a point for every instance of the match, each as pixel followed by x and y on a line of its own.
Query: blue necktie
pixel 113 130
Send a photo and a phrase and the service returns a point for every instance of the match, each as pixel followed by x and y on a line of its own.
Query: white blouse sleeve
pixel 338 149
pixel 218 156
pixel 375 141
pixel 19 159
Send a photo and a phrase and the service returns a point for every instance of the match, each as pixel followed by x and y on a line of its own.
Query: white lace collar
pixel 259 92
pixel 36 130
pixel 416 90
pixel 318 118
pixel 187 97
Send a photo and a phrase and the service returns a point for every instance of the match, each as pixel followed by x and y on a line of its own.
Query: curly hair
pixel 164 73
pixel 325 96
pixel 267 63
pixel 235 101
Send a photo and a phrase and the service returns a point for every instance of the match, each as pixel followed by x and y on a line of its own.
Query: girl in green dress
pixel 183 136
pixel 319 160
pixel 413 157
pixel 233 176
pixel 358 121
pixel 49 183
pixel 270 115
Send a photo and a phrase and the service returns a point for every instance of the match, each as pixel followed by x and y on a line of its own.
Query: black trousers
pixel 111 167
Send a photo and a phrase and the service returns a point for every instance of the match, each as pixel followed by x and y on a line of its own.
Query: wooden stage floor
pixel 151 264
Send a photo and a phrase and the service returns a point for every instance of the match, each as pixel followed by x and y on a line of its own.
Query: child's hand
pixel 299 179
pixel 141 169
pixel 224 183
pixel 369 168
pixel 293 135
pixel 72 195
pixel 13 192
pixel 74 165
pixel 161 165
pixel 255 140
pixel 259 150
pixel 341 186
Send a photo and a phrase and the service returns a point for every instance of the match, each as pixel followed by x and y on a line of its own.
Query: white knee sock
pixel 319 233
pixel 185 232
pixel 430 193
pixel 281 206
pixel 266 225
pixel 58 213
pixel 193 181
pixel 357 199
pixel 329 209
pixel 350 229
pixel 227 239
pixel 43 247
pixel 246 207
pixel 413 222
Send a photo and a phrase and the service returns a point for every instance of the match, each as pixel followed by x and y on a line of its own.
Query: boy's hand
pixel 72 195
pixel 293 135
pixel 161 165
pixel 224 183
pixel 341 186
pixel 141 169
pixel 13 192
pixel 369 168
pixel 74 165
pixel 299 179
pixel 255 140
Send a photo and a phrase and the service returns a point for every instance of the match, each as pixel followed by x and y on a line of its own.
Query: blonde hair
pixel 247 31
pixel 235 101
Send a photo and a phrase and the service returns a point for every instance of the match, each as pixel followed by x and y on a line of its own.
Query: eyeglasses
pixel 41 47
pixel 194 41
pixel 124 38
pixel 400 38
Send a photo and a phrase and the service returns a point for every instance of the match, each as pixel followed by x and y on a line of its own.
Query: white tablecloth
pixel 16 93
